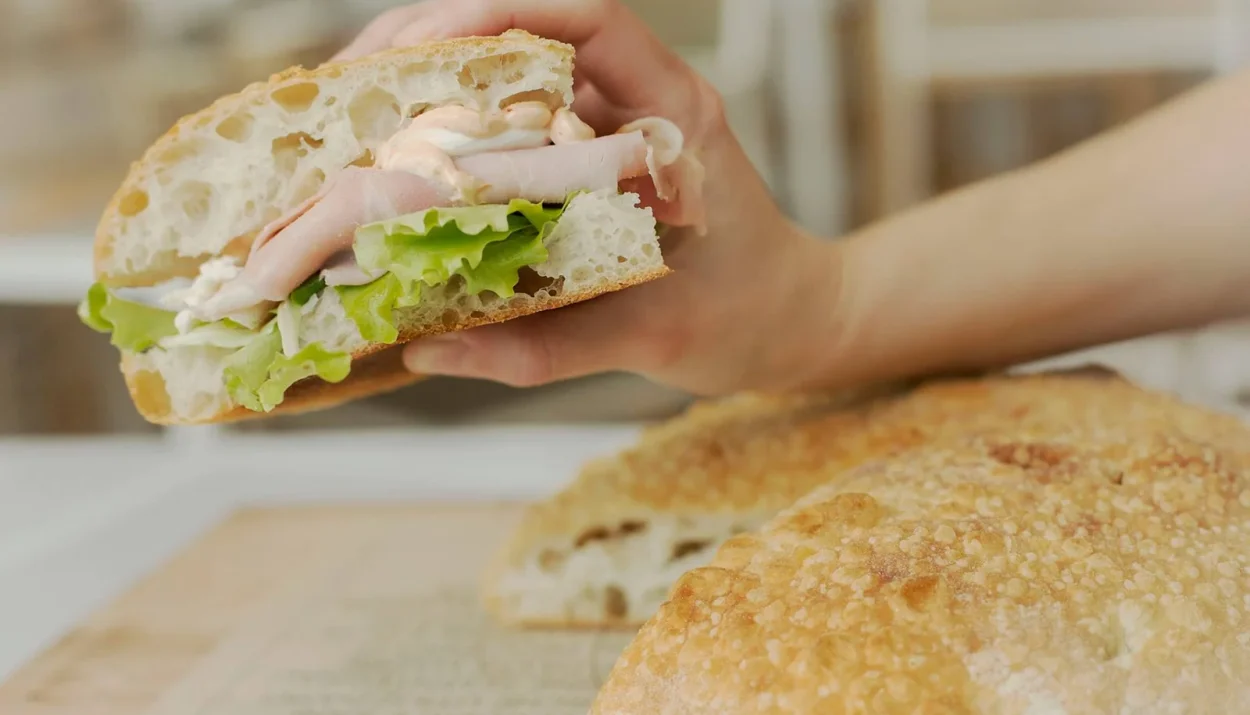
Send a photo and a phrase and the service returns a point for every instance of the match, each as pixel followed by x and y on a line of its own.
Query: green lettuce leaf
pixel 135 327
pixel 259 375
pixel 309 288
pixel 433 245
pixel 499 271
pixel 372 307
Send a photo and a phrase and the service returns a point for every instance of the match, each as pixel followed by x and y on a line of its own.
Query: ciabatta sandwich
pixel 264 255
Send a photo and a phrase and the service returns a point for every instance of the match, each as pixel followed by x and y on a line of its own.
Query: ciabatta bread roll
pixel 267 253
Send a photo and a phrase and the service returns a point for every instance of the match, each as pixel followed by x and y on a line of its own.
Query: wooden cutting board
pixel 324 609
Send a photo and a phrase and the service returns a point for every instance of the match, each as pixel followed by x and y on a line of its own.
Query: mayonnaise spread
pixel 430 143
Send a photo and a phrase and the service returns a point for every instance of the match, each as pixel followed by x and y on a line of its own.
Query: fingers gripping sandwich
pixel 263 255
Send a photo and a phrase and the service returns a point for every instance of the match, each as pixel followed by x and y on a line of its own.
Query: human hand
pixel 748 303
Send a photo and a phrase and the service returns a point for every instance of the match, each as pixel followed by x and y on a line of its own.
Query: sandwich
pixel 607 550
pixel 267 254
pixel 1071 572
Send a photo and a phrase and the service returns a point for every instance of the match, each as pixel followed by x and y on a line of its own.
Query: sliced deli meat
pixel 318 230
pixel 549 174
pixel 303 241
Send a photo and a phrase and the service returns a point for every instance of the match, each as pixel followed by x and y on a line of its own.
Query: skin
pixel 1143 229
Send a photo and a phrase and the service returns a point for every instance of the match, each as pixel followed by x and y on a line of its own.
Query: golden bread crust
pixel 1063 554
pixel 754 455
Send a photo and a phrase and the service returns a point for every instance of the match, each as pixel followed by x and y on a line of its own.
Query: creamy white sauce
pixel 455 144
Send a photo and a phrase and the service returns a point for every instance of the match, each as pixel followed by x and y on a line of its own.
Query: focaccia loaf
pixel 1082 571
pixel 606 550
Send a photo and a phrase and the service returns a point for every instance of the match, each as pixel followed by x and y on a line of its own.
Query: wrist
pixel 806 332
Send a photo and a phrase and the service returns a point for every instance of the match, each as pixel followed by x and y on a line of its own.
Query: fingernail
pixel 438 355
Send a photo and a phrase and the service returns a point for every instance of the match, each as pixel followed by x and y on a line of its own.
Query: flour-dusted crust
pixel 1065 556
pixel 606 550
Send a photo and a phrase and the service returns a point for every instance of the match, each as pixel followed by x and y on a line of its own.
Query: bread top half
pixel 209 185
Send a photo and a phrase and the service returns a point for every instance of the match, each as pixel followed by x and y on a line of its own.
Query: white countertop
pixel 72 540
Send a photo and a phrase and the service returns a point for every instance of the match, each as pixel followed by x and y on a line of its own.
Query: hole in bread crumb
pixel 621 259
pixel 554 100
pixel 648 250
pixel 530 282
pixel 450 318
pixel 374 115
pixel 133 203
pixel 195 198
pixel 180 150
pixel 682 549
pixel 477 315
pixel 236 128
pixel 550 560
pixel 414 72
pixel 591 535
pixel 633 527
pixel 476 73
pixel 615 604
pixel 331 101
pixel 296 97
pixel 364 161
pixel 288 150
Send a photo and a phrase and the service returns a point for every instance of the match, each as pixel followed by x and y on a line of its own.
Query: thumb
pixel 573 341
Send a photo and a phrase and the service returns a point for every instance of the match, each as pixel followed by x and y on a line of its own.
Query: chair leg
pixel 810 93
pixel 900 105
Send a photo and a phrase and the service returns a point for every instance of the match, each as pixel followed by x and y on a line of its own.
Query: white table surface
pixel 70 542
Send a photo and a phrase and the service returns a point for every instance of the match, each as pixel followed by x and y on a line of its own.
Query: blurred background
pixel 851 109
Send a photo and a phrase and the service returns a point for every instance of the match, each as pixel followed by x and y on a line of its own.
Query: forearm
pixel 1141 230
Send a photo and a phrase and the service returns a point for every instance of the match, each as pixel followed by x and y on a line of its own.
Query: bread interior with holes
pixel 267 254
